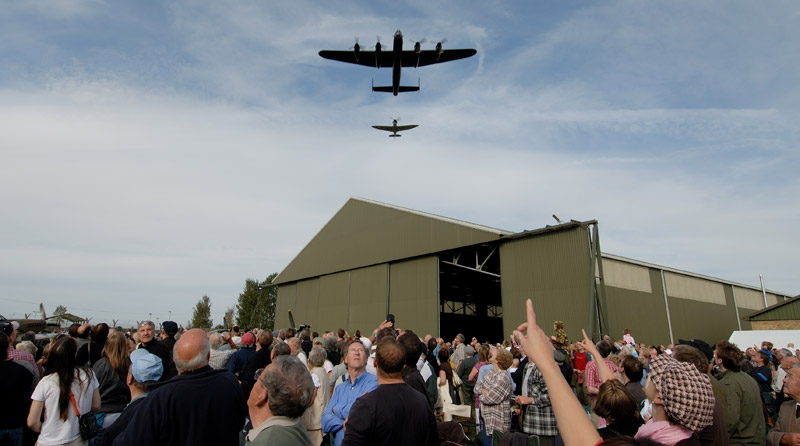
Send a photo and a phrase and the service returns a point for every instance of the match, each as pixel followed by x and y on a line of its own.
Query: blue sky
pixel 154 152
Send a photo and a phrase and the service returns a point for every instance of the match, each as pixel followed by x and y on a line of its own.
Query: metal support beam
pixel 472 269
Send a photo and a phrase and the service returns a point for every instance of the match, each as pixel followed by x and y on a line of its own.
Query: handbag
pixel 456 380
pixel 87 423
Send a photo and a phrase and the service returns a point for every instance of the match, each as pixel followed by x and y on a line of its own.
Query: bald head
pixel 191 351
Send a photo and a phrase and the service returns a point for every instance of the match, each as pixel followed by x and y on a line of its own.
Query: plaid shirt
pixel 496 404
pixel 24 356
pixel 458 355
pixel 219 358
pixel 539 418
pixel 593 377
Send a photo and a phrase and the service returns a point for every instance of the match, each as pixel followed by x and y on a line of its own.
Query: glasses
pixel 143 323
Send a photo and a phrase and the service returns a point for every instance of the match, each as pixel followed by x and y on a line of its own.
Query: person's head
pixel 791 382
pixel 789 362
pixel 84 331
pixel 761 358
pixel 169 328
pixel 145 369
pixel 483 353
pixel 502 358
pixel 691 355
pixel 305 335
pixel 410 342
pixel 31 336
pixel 248 340
pixel 443 355
pixel 384 332
pixel 285 387
pixel 265 338
pixel 115 351
pixel 215 340
pixel 431 344
pixel 356 356
pixel 191 351
pixel 390 358
pixel 604 348
pixel 73 330
pixel 615 403
pixel 607 339
pixel 626 331
pixel 295 344
pixel 460 339
pixel 27 346
pixel 280 349
pixel 316 357
pixel 100 332
pixel 340 333
pixel 766 345
pixel 632 368
pixel 683 392
pixel 728 356
pixel 783 353
pixel 146 331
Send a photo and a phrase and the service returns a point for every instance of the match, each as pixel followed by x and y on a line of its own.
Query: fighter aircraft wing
pixel 430 57
pixel 406 127
pixel 388 128
pixel 366 58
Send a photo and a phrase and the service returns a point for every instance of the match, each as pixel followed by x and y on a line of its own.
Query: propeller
pixel 440 43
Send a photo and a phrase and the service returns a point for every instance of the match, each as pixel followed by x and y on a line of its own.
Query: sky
pixel 155 152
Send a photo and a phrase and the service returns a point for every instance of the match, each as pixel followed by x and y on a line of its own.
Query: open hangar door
pixel 469 293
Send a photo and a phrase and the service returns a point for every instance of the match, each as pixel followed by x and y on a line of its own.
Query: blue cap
pixel 145 366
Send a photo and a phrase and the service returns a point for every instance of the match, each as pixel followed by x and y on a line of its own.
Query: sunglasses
pixel 143 323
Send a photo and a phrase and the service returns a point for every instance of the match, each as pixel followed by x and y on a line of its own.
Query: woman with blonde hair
pixel 64 390
pixel 112 372
pixel 495 389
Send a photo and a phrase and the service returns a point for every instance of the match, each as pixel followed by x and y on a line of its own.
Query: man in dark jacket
pixel 200 406
pixel 148 341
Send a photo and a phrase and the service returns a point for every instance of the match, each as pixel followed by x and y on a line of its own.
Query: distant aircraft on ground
pixel 397 59
pixel 34 325
pixel 394 128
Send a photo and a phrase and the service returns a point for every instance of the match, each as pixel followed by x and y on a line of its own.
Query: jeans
pixel 11 437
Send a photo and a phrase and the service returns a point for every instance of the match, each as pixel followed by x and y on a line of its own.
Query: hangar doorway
pixel 469 293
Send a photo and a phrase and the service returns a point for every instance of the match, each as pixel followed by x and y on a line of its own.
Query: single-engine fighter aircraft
pixel 397 58
pixel 394 128
pixel 34 325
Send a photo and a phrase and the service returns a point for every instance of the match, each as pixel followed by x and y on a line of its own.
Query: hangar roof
pixel 383 233
pixel 787 310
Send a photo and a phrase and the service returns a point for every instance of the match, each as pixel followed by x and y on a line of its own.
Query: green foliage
pixel 201 317
pixel 60 310
pixel 256 307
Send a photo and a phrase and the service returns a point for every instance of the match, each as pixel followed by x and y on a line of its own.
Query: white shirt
pixel 54 429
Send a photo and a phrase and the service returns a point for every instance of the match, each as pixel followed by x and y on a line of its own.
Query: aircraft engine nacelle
pixel 356 50
pixel 439 48
pixel 417 47
pixel 378 54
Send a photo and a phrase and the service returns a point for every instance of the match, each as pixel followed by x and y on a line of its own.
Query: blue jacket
pixel 344 395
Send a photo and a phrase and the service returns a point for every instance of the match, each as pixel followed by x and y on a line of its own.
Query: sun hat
pixel 686 393
pixel 145 366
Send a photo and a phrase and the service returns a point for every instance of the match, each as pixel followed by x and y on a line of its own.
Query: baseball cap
pixel 469 351
pixel 700 345
pixel 170 327
pixel 6 328
pixel 248 338
pixel 145 366
pixel 687 394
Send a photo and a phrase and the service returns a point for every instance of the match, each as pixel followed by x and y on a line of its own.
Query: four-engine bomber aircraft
pixel 397 59
pixel 394 128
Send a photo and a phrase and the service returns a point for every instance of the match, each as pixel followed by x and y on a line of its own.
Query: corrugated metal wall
pixel 644 313
pixel 333 296
pixel 306 305
pixel 553 270
pixel 367 306
pixel 414 295
pixel 287 295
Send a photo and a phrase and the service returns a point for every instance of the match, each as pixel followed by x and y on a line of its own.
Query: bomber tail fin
pixel 41 310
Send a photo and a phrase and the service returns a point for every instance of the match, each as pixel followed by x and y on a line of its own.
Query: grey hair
pixel 27 346
pixel 289 387
pixel 317 356
pixel 461 338
pixel 332 344
pixel 195 362
pixel 216 340
pixel 786 352
pixel 281 349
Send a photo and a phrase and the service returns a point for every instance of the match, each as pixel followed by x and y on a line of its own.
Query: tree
pixel 256 306
pixel 201 317
pixel 60 311
pixel 227 320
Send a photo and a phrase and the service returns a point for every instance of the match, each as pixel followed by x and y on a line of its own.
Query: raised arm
pixel 567 409
pixel 605 372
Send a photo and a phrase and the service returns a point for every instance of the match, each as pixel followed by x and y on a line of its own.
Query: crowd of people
pixel 162 385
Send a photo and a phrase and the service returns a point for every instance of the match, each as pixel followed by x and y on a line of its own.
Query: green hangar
pixel 444 276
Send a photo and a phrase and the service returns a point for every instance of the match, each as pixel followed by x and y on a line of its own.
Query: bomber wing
pixel 430 57
pixel 366 58
pixel 406 127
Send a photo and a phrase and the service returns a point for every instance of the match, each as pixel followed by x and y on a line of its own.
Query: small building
pixel 781 316
pixel 444 276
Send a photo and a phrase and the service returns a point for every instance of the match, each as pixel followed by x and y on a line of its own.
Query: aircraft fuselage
pixel 397 61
